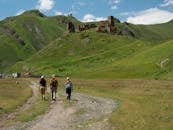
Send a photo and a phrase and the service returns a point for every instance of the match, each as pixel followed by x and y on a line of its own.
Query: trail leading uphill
pixel 82 112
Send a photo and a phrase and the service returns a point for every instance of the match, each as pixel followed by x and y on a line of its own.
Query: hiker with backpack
pixel 69 88
pixel 53 87
pixel 42 87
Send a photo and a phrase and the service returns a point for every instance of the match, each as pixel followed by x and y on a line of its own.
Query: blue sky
pixel 133 11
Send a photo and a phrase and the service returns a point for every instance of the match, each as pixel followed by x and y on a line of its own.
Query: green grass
pixel 82 51
pixel 77 53
pixel 157 32
pixel 96 55
pixel 143 104
pixel 37 108
pixel 13 95
pixel 34 30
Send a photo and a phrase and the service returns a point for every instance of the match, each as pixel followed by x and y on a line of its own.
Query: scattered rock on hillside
pixel 14 34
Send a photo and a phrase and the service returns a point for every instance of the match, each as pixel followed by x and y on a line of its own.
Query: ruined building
pixel 70 27
pixel 83 27
pixel 108 26
pixel 111 21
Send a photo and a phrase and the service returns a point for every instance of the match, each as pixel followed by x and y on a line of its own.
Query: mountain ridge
pixel 44 39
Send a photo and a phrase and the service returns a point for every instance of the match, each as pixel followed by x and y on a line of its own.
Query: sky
pixel 132 11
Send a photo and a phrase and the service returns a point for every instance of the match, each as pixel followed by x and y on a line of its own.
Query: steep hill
pixel 38 44
pixel 155 33
pixel 24 35
pixel 98 55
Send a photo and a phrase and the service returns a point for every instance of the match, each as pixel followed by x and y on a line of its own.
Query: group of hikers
pixel 54 86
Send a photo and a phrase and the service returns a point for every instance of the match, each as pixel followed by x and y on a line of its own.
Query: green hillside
pixel 155 33
pixel 24 35
pixel 40 44
pixel 97 55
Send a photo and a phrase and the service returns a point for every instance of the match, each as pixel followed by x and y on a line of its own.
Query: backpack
pixel 54 83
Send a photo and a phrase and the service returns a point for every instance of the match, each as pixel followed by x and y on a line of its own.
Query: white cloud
pixel 20 12
pixel 151 16
pixel 60 13
pixel 45 5
pixel 114 7
pixel 113 4
pixel 127 13
pixel 115 1
pixel 91 18
pixel 167 3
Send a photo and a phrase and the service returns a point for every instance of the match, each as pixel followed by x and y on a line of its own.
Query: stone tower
pixel 110 21
pixel 70 27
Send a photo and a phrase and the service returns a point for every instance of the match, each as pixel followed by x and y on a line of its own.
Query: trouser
pixel 54 90
pixel 68 91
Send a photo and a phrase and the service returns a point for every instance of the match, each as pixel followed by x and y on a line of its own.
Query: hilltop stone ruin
pixel 84 27
pixel 108 26
pixel 70 27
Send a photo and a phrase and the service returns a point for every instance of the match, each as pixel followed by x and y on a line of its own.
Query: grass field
pixel 12 94
pixel 143 104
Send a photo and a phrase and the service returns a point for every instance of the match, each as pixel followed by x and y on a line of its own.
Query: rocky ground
pixel 83 112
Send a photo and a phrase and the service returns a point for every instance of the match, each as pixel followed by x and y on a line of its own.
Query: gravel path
pixel 83 112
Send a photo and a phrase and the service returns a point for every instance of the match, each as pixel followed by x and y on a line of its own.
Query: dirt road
pixel 83 112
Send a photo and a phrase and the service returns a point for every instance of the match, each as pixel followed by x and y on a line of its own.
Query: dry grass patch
pixel 143 104
pixel 13 94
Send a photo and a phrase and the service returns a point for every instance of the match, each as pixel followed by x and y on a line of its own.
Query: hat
pixel 42 76
pixel 67 78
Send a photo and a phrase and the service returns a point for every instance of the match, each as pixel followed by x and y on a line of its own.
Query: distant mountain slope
pixel 155 33
pixel 22 36
pixel 82 54
pixel 97 55
pixel 38 44
pixel 153 62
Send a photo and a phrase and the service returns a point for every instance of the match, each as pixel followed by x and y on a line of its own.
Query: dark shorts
pixel 68 90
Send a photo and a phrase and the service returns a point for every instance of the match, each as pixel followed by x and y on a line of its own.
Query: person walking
pixel 69 88
pixel 53 87
pixel 42 87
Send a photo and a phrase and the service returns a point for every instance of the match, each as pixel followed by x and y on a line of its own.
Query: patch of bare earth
pixel 83 112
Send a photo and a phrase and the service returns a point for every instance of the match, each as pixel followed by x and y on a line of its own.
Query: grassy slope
pixel 158 32
pixel 35 30
pixel 83 52
pixel 143 64
pixel 95 55
pixel 90 54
